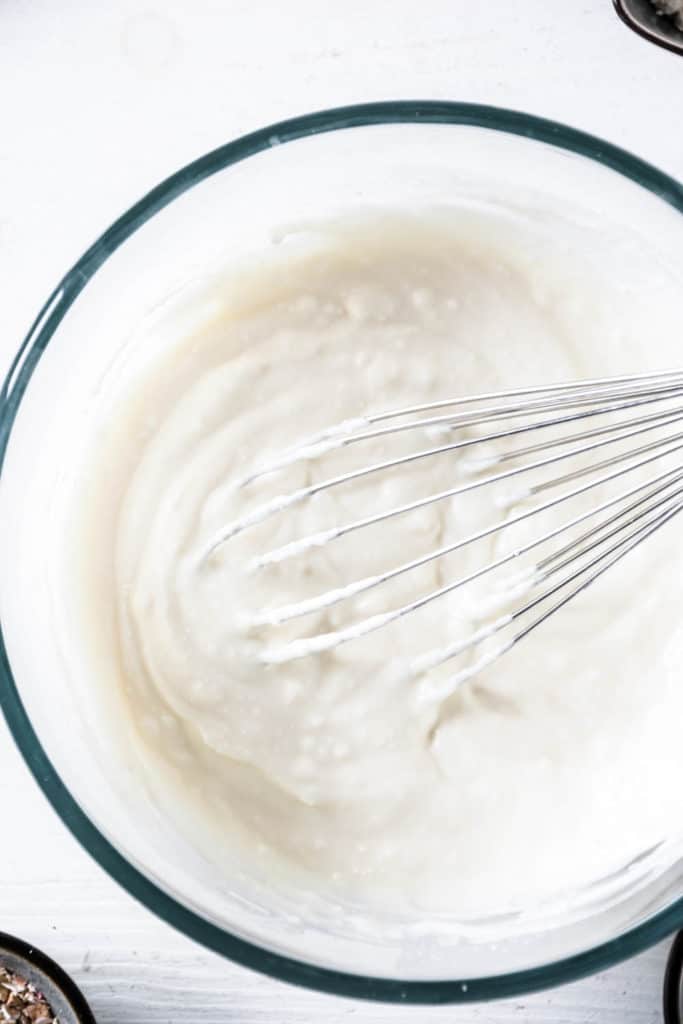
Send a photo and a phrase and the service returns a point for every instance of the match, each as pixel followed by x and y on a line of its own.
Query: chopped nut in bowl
pixel 35 990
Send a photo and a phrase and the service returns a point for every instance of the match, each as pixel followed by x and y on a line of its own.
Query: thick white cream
pixel 356 771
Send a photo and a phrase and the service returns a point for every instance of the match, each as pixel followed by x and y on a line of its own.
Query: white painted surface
pixel 99 101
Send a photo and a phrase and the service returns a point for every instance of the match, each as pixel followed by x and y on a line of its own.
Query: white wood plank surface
pixel 99 101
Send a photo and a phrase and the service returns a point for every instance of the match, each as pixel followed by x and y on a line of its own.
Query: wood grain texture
pixel 98 102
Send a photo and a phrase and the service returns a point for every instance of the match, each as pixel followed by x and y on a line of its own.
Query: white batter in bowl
pixel 375 783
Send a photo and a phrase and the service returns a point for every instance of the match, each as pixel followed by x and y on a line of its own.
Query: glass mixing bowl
pixel 226 203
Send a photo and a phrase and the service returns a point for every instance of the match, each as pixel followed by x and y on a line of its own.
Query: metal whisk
pixel 624 431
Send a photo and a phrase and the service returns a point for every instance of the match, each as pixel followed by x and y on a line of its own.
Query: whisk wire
pixel 537 590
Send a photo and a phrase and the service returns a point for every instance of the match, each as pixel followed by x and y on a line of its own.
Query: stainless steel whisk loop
pixel 620 430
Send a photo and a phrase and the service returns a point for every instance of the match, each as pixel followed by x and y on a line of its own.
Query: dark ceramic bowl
pixel 643 18
pixel 673 984
pixel 65 998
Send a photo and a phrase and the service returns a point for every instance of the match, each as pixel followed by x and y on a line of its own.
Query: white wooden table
pixel 99 101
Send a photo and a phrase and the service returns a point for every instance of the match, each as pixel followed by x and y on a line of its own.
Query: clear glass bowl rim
pixel 248 954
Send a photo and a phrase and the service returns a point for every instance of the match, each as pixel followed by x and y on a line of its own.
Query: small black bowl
pixel 65 998
pixel 642 16
pixel 673 983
